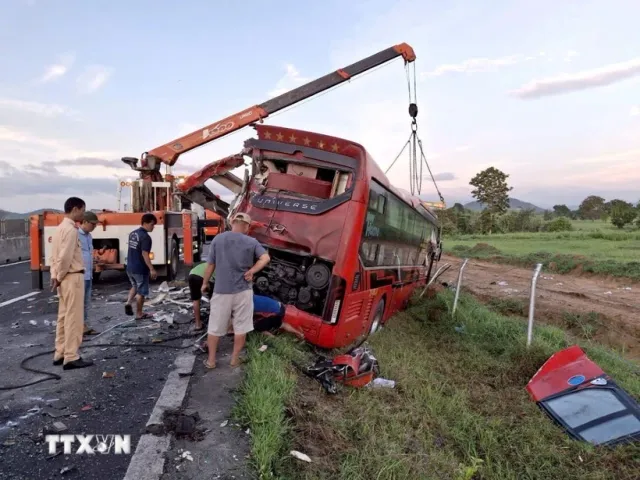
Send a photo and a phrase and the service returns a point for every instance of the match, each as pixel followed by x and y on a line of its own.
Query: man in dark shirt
pixel 268 315
pixel 139 266
pixel 232 255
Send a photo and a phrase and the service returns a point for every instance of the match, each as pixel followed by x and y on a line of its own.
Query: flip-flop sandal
pixel 198 330
pixel 241 360
pixel 145 316
pixel 207 366
pixel 91 331
pixel 128 309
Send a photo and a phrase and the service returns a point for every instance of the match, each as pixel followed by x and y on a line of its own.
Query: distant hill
pixel 514 204
pixel 4 215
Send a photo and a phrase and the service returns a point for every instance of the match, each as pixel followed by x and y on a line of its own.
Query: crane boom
pixel 169 152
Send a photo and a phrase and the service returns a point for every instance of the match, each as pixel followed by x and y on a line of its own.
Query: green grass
pixel 460 410
pixel 269 385
pixel 606 252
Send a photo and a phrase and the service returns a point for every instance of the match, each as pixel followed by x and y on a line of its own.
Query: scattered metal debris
pixel 33 322
pixel 224 424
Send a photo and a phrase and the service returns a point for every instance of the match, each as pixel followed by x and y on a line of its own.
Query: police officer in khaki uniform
pixel 67 276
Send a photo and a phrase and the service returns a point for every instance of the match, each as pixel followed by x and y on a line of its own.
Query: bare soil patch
pixel 602 309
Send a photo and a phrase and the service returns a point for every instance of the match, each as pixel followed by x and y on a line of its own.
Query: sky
pixel 547 91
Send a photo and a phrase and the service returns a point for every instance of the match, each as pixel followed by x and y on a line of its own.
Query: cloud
pixel 290 80
pixel 93 78
pixel 50 110
pixel 46 180
pixel 635 111
pixel 479 64
pixel 571 54
pixel 58 69
pixel 29 143
pixel 441 177
pixel 567 83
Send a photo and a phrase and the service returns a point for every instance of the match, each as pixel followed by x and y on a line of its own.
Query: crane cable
pixel 414 141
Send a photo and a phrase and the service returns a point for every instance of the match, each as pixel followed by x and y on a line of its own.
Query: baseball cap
pixel 90 217
pixel 242 217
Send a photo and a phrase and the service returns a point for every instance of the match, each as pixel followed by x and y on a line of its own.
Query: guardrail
pixel 14 228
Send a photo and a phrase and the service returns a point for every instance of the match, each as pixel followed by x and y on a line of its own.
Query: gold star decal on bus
pixel 267 135
pixel 279 136
pixel 334 147
pixel 292 138
pixel 320 144
pixel 307 142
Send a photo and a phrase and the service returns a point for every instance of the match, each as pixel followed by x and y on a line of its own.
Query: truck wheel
pixel 377 318
pixel 174 261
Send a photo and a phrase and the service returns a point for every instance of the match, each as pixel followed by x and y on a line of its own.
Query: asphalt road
pixel 89 403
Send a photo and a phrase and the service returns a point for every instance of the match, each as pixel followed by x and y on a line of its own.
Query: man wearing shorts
pixel 139 267
pixel 195 282
pixel 232 255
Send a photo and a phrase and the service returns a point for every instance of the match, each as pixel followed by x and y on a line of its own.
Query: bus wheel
pixel 174 256
pixel 377 318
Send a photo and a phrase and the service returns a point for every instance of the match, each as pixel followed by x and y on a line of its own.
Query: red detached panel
pixel 565 369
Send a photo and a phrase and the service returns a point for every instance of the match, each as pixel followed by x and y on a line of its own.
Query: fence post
pixel 532 303
pixel 455 300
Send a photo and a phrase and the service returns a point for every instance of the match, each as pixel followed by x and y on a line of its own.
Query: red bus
pixel 347 249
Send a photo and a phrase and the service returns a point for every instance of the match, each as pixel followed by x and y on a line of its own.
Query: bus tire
pixel 376 321
pixel 174 261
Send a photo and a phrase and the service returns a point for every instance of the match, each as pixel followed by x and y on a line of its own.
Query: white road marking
pixel 14 263
pixel 17 299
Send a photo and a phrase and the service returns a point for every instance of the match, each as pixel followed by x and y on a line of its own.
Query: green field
pixel 595 247
pixel 460 410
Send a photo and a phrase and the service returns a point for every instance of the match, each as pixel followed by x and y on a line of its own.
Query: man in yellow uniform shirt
pixel 67 276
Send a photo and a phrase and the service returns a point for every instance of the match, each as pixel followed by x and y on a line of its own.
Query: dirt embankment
pixel 604 309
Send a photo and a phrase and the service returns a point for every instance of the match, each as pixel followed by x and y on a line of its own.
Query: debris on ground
pixel 33 322
pixel 108 374
pixel 163 317
pixel 300 456
pixel 357 369
pixel 86 408
pixel 59 427
pixel 69 469
pixel 15 325
pixel 56 412
pixel 224 424
pixel 382 383
pixel 164 287
pixel 263 348
pixel 502 283
pixel 608 293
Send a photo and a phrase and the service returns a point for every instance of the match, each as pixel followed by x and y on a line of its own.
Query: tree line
pixel 491 190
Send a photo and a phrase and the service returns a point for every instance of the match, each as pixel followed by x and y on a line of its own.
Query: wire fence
pixel 584 326
pixel 14 228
